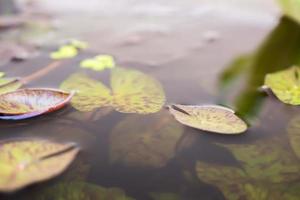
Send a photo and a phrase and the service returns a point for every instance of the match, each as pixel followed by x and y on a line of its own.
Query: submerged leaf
pixel 209 118
pixel 132 92
pixel 255 158
pixel 30 161
pixel 294 134
pixel 149 141
pixel 26 103
pixel 99 63
pixel 80 191
pixel 285 85
pixel 67 51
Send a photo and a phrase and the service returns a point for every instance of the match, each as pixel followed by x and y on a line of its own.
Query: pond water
pixel 152 157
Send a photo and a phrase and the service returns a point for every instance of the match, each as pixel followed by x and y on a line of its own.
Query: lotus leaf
pixel 209 118
pixel 26 103
pixel 294 134
pixel 23 162
pixel 285 85
pixel 80 191
pixel 149 141
pixel 99 63
pixel 132 92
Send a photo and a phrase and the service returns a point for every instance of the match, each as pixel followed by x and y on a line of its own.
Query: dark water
pixel 149 157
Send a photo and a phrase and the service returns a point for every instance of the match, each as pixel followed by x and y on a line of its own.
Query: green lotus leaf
pixel 291 8
pixel 132 92
pixel 213 118
pixel 285 85
pixel 80 191
pixel 89 94
pixel 266 160
pixel 99 63
pixel 148 141
pixel 294 134
pixel 66 51
pixel 23 162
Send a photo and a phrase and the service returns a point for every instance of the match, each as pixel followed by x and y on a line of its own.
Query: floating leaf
pixel 291 8
pixel 148 141
pixel 80 191
pixel 89 93
pixel 78 44
pixel 26 103
pixel 10 86
pixel 66 51
pixel 132 92
pixel 209 118
pixel 294 134
pixel 285 85
pixel 30 161
pixel 99 63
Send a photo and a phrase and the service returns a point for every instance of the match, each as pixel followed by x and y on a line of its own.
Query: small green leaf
pixel 67 51
pixel 78 44
pixel 30 161
pixel 99 63
pixel 285 85
pixel 213 118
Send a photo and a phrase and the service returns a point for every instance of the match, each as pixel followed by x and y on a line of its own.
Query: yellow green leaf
pixel 23 162
pixel 78 44
pixel 136 92
pixel 285 85
pixel 89 93
pixel 132 92
pixel 213 118
pixel 153 137
pixel 66 51
pixel 294 134
pixel 99 63
pixel 9 85
pixel 291 8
